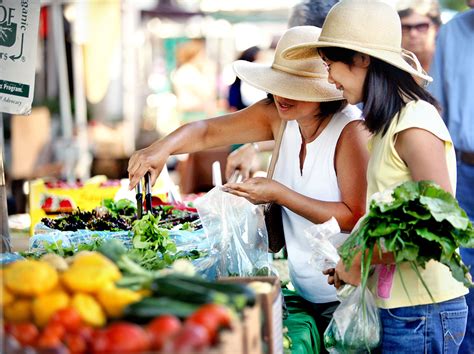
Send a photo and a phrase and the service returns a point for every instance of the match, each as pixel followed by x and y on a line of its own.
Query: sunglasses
pixel 419 27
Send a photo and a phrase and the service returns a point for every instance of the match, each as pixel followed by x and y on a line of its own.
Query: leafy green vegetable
pixel 63 251
pixel 121 207
pixel 417 222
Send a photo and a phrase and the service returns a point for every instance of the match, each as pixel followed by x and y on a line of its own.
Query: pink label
pixel 384 285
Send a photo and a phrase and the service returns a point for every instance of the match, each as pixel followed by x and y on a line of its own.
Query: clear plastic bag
pixel 236 229
pixel 355 326
pixel 324 239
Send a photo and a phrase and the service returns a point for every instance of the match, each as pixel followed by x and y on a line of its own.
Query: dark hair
pixel 249 54
pixel 310 13
pixel 325 108
pixel 386 89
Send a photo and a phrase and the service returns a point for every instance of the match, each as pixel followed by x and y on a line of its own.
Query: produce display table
pixel 301 326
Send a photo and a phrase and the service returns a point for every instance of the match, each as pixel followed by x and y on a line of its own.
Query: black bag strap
pixel 276 150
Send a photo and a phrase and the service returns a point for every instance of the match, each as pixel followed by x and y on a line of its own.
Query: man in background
pixel 453 85
pixel 421 20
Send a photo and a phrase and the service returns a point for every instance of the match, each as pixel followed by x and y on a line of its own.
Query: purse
pixel 272 211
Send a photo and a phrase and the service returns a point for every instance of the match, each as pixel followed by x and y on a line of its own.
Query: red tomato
pixel 75 343
pixel 121 338
pixel 68 317
pixel 48 340
pixel 161 329
pixel 211 317
pixel 191 338
pixel 222 312
pixel 86 332
pixel 24 333
pixel 55 330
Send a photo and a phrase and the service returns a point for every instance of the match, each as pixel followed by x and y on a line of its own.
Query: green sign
pixel 14 88
pixel 7 34
pixel 7 27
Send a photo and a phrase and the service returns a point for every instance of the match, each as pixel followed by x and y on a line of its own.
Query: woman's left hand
pixel 351 276
pixel 340 276
pixel 257 190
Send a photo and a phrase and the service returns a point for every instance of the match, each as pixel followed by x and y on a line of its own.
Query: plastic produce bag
pixel 44 235
pixel 324 239
pixel 236 229
pixel 355 326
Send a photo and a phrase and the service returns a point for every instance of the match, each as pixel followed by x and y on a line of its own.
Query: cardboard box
pixel 271 310
pixel 252 333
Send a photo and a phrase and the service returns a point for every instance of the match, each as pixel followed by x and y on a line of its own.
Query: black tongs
pixel 139 196
pixel 148 193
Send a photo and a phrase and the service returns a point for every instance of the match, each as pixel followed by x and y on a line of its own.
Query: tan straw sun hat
pixel 366 26
pixel 302 80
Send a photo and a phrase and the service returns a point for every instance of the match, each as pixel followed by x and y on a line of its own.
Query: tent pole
pixel 4 231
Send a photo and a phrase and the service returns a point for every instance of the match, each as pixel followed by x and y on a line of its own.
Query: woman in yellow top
pixel 360 43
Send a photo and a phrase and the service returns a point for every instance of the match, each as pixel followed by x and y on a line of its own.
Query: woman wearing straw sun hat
pixel 361 45
pixel 322 160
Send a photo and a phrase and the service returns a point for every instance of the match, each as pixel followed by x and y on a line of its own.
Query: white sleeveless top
pixel 317 181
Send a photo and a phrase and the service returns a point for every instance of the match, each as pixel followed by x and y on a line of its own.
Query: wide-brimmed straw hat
pixel 302 80
pixel 365 26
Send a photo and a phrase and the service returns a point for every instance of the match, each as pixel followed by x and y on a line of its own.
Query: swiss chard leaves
pixel 418 222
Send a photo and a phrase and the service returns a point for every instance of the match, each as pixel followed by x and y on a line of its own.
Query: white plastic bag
pixel 236 228
pixel 355 326
pixel 323 240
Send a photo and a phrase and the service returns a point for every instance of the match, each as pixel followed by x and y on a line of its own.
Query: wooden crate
pixel 271 310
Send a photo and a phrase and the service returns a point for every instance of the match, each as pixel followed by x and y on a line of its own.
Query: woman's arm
pixel 254 123
pixel 244 158
pixel 341 275
pixel 424 154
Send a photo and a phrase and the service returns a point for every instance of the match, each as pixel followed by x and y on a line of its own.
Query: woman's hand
pixel 150 159
pixel 256 190
pixel 241 159
pixel 339 276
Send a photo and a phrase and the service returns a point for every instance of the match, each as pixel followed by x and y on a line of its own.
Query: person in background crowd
pixel 310 13
pixel 410 142
pixel 306 13
pixel 453 85
pixel 193 81
pixel 234 98
pixel 421 20
pixel 321 166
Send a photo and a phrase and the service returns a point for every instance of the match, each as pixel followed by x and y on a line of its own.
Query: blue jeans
pixel 424 329
pixel 465 196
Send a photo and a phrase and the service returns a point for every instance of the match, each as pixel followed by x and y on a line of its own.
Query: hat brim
pixel 279 83
pixel 309 50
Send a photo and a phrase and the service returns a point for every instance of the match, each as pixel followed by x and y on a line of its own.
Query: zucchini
pixel 151 307
pixel 185 291
pixel 240 294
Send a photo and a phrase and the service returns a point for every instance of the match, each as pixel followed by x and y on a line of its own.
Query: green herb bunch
pixel 417 222
pixel 152 246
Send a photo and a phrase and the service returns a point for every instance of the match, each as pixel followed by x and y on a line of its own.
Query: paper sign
pixel 18 40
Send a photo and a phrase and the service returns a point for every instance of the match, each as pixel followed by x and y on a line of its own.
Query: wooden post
pixel 4 231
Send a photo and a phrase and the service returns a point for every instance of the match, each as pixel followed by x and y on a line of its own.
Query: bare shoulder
pixel 355 129
pixel 268 112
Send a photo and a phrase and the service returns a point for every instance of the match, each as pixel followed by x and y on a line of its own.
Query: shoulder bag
pixel 272 211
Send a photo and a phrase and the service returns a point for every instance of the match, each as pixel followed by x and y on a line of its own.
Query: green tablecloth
pixel 301 326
